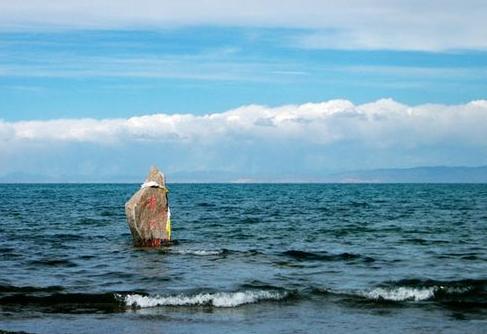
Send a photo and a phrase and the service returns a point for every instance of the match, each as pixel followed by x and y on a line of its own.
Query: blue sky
pixel 116 60
pixel 212 69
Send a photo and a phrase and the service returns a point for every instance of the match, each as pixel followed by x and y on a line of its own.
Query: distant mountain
pixel 413 175
pixel 392 175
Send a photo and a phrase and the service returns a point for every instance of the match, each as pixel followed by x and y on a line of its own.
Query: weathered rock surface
pixel 148 213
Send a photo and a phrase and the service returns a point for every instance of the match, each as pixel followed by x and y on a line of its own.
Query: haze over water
pixel 247 258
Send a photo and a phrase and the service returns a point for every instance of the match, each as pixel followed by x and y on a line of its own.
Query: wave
pixel 217 299
pixel 462 291
pixel 56 299
pixel 211 252
pixel 53 263
pixel 461 294
pixel 199 252
pixel 400 294
pixel 325 256
pixel 297 255
pixel 7 288
pixel 62 302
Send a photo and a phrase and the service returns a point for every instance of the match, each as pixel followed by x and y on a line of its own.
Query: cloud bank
pixel 291 140
pixel 384 123
pixel 375 24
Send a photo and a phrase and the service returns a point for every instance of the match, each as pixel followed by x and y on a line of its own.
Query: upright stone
pixel 148 214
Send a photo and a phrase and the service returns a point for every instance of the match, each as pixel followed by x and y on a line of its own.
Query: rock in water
pixel 148 214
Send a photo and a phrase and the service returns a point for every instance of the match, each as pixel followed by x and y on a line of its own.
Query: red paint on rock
pixel 151 203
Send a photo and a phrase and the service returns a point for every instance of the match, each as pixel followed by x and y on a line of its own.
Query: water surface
pixel 260 258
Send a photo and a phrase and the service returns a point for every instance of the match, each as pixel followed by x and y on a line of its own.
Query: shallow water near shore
pixel 256 258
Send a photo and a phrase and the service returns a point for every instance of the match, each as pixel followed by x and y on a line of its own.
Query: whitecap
pixel 455 290
pixel 218 299
pixel 401 293
pixel 198 252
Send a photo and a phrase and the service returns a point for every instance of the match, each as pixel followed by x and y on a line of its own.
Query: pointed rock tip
pixel 155 175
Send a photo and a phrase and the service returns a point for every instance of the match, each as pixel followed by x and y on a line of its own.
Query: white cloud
pixel 381 124
pixel 375 24
pixel 299 140
pixel 7 132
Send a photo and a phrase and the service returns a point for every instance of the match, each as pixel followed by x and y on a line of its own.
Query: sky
pixel 255 89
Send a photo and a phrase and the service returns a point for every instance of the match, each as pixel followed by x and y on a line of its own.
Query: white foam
pixel 401 293
pixel 219 299
pixel 199 252
pixel 455 290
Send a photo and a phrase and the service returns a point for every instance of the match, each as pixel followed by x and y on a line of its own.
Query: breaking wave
pixel 461 294
pixel 422 290
pixel 218 299
pixel 400 294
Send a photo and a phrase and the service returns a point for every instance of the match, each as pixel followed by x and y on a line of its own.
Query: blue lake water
pixel 262 258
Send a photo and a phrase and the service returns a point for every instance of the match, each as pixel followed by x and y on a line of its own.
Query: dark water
pixel 247 259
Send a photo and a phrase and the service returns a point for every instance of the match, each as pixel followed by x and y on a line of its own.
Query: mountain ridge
pixel 425 174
